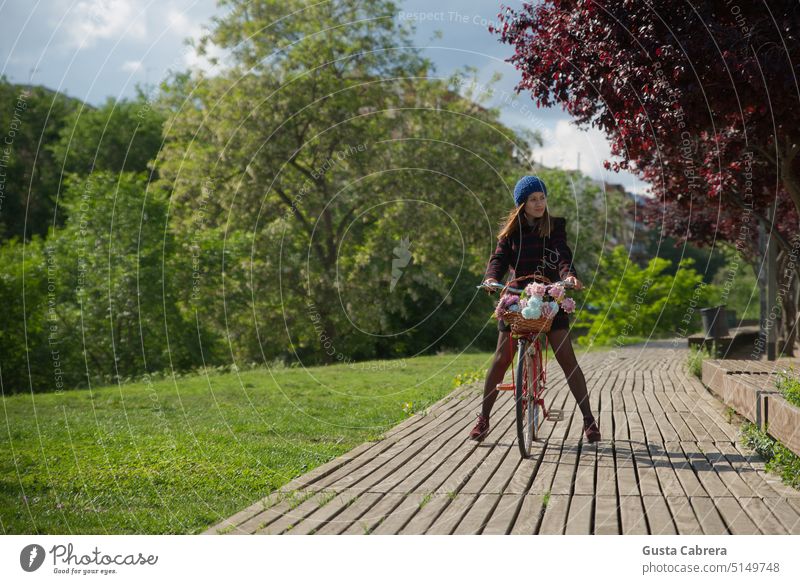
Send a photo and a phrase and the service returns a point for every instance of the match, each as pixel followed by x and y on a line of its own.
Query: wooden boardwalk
pixel 669 463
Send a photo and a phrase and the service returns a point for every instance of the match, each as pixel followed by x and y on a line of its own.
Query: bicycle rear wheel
pixel 528 414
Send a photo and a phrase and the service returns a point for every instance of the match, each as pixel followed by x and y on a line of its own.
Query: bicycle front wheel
pixel 528 414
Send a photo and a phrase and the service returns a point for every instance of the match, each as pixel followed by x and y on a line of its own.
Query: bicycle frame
pixel 528 379
pixel 530 347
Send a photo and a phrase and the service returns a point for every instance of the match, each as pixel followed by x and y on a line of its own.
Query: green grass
pixel 695 360
pixel 780 460
pixel 177 457
pixel 788 383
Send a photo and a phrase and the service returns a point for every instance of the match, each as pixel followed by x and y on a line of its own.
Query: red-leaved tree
pixel 700 100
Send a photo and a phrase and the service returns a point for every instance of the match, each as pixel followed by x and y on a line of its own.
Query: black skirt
pixel 561 321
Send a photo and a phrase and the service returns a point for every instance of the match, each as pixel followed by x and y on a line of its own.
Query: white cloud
pixel 563 144
pixel 91 20
pixel 195 61
pixel 131 66
pixel 180 25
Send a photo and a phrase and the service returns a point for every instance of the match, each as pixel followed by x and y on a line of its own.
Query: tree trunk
pixel 787 292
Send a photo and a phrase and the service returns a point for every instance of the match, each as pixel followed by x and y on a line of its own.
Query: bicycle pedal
pixel 505 387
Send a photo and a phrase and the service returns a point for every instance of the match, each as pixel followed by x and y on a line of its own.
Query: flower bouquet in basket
pixel 534 310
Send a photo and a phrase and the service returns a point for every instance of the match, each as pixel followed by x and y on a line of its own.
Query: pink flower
pixel 523 302
pixel 504 303
pixel 568 304
pixel 535 289
pixel 556 292
pixel 547 310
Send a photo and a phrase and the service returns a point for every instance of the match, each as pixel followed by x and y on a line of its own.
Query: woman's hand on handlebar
pixel 572 280
pixel 486 285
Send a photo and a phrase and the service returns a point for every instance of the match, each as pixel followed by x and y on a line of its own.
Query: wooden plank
pixel 477 516
pixel 287 505
pixel 385 463
pixel 504 514
pixel 606 521
pixel 728 475
pixel 447 522
pixel 522 477
pixel 710 480
pixel 626 475
pixel 487 468
pixel 289 518
pixel 685 433
pixel 367 523
pixel 683 515
pixel 565 470
pixel 407 472
pixel 734 516
pixel 587 467
pixel 759 466
pixel 543 479
pixel 708 516
pixel 230 525
pixel 555 515
pixel 786 514
pixel 427 513
pixel 669 463
pixel 659 517
pixel 665 428
pixel 740 462
pixel 350 515
pixel 505 471
pixel 394 521
pixel 325 513
pixel 529 515
pixel 633 518
pixel 579 518
pixel 606 471
pixel 362 466
pixel 453 473
pixel 762 516
pixel 667 477
pixel 783 421
pixel 719 429
pixel 452 400
pixel 367 450
pixel 645 469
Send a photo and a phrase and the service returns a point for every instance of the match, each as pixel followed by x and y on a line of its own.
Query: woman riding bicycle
pixel 531 242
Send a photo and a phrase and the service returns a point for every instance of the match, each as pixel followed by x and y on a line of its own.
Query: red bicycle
pixel 530 381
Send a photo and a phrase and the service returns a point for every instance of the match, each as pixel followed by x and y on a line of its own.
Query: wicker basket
pixel 525 326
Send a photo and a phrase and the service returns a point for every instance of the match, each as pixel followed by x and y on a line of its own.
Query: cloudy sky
pixel 92 49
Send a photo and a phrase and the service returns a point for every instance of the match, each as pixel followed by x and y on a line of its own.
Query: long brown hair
pixel 516 219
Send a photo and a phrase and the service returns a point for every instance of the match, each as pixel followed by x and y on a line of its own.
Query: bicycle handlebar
pixel 499 286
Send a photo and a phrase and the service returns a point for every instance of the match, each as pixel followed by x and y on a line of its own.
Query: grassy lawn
pixel 178 456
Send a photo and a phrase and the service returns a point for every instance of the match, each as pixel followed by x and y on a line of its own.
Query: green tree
pixel 115 294
pixel 30 117
pixel 644 302
pixel 118 136
pixel 329 144
pixel 24 329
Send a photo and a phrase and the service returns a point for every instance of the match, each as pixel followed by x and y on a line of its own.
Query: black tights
pixel 561 343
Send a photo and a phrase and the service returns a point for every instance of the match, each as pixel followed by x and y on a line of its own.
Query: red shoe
pixel 481 429
pixel 590 430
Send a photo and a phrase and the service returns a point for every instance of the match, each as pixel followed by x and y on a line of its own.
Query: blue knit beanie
pixel 527 185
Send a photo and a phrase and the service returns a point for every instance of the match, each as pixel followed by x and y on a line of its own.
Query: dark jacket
pixel 528 253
